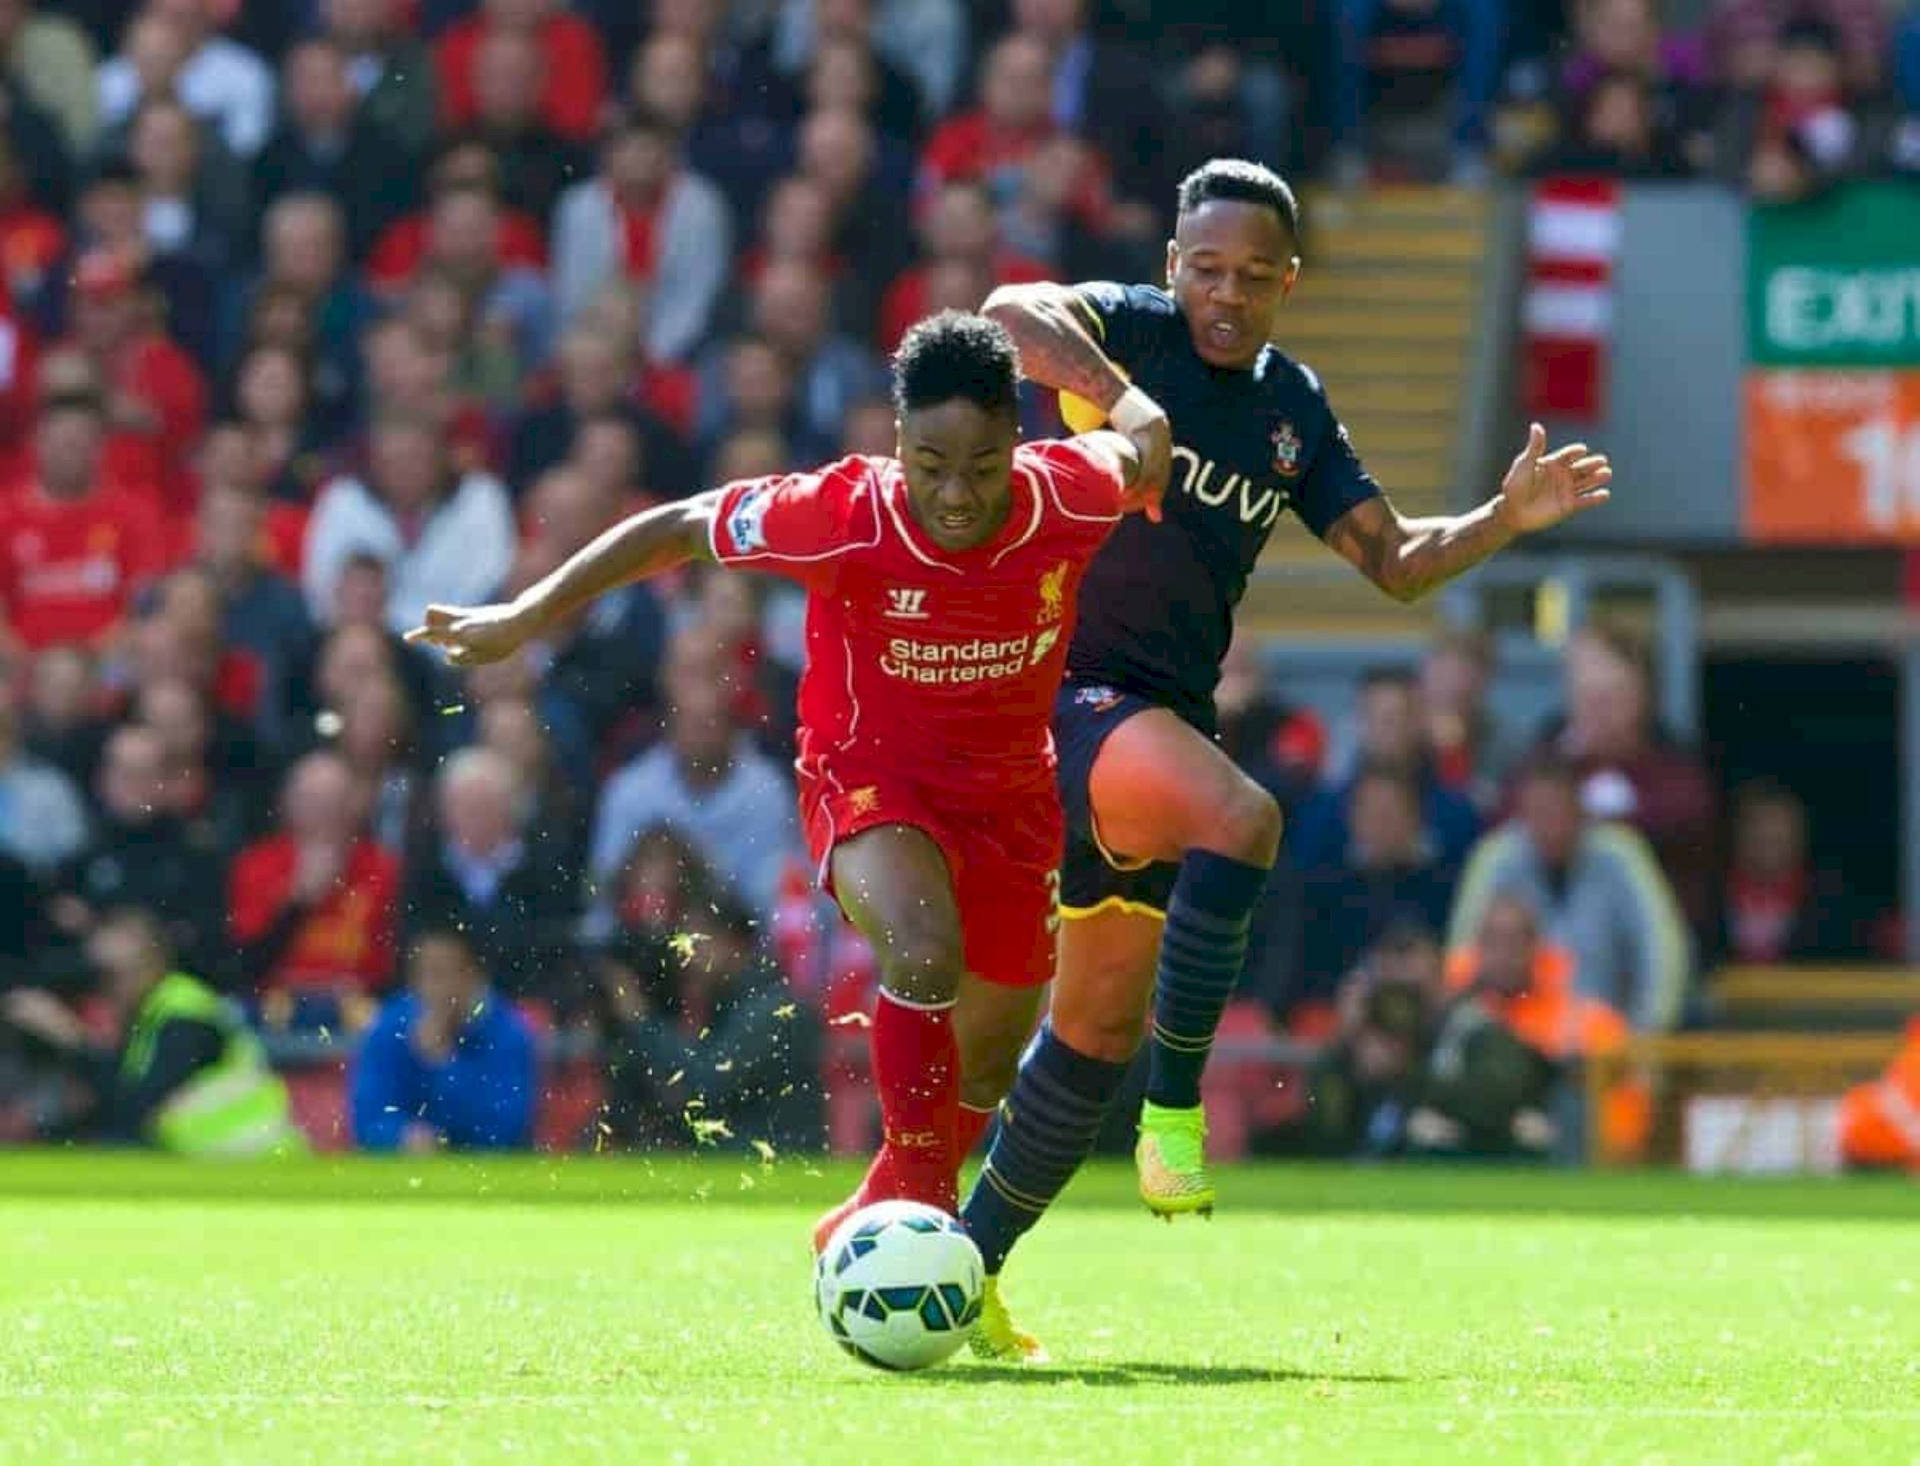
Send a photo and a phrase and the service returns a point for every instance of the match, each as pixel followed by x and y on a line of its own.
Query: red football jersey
pixel 68 568
pixel 940 666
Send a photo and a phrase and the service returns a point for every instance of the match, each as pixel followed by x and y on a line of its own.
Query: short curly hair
pixel 957 356
pixel 1245 182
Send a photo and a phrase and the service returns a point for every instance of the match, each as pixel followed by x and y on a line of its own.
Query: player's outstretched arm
pixel 644 544
pixel 1407 558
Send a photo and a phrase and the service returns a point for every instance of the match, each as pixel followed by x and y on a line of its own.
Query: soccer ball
pixel 898 1285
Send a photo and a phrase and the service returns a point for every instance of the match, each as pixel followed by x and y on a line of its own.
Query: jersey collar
pixel 1023 519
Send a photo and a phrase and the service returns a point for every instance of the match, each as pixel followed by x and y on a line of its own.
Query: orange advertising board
pixel 1833 457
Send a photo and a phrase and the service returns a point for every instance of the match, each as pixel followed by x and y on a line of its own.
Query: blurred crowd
pixel 315 312
pixel 1779 97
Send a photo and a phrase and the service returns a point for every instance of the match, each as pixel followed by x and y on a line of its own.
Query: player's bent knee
pixel 983 1086
pixel 1110 1034
pixel 922 967
pixel 1247 826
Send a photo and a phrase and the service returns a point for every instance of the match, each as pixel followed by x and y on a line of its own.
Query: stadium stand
pixel 312 316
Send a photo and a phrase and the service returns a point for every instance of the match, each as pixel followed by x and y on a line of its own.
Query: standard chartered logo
pixel 1815 309
pixel 955 663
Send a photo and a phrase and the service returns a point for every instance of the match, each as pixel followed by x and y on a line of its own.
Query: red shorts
pixel 1004 855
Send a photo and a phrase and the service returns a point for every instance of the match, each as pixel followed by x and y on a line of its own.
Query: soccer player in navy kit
pixel 1168 843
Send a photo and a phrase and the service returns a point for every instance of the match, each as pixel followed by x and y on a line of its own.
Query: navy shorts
pixel 1091 879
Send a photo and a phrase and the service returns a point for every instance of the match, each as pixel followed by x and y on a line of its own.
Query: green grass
pixel 345 1312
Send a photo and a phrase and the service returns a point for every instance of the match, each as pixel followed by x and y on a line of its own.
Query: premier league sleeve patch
pixel 747 524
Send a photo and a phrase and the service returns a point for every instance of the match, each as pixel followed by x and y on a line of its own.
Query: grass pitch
pixel 535 1311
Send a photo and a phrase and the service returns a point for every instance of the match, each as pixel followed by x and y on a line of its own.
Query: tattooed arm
pixel 1053 327
pixel 1407 558
pixel 1049 323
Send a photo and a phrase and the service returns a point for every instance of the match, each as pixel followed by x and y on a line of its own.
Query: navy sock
pixel 1047 1128
pixel 1202 951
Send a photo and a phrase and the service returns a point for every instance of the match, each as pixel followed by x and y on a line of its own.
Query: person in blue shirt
pixel 447 1064
pixel 1168 844
pixel 1392 741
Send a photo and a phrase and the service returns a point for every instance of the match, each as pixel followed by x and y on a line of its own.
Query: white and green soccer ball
pixel 898 1285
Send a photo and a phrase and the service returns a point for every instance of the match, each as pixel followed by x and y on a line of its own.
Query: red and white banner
pixel 1573 239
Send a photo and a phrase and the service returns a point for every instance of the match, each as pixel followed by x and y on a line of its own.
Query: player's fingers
pixel 1591 498
pixel 1536 441
pixel 437 620
pixel 1567 454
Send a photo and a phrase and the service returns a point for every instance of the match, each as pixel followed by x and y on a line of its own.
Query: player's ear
pixel 1291 278
pixel 1173 260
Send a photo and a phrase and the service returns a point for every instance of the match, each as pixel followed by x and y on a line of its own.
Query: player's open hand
pixel 472 636
pixel 1543 488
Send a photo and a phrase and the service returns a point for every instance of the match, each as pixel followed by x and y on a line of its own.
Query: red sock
pixel 916 1068
pixel 968 1129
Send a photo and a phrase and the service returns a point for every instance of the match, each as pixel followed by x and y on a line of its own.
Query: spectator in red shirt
pixel 72 549
pixel 993 141
pixel 958 224
pixel 536 163
pixel 463 162
pixel 263 614
pixel 1776 904
pixel 1472 754
pixel 575 88
pixel 314 906
pixel 156 400
pixel 112 217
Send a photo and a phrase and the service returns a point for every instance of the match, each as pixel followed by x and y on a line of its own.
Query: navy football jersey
pixel 1156 608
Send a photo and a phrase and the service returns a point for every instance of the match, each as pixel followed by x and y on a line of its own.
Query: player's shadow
pixel 1150 1372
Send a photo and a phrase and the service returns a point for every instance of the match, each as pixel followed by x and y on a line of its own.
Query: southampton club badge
pixel 1286 451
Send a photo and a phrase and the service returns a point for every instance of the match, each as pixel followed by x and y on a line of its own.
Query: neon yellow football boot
pixel 994 1335
pixel 1171 1157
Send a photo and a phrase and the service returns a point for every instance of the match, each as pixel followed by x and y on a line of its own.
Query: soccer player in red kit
pixel 941 602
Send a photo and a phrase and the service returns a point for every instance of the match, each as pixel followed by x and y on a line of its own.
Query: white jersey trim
pixel 1044 471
